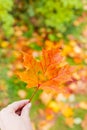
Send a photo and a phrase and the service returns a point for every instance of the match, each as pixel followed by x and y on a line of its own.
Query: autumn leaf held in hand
pixel 47 73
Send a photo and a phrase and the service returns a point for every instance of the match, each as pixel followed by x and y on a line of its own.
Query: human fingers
pixel 16 105
pixel 25 111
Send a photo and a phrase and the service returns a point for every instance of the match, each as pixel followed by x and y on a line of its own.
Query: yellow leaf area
pixel 69 121
pixel 83 105
pixel 67 111
pixel 56 107
pixel 48 73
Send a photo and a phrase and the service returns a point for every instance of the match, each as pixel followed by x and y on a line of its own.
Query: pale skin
pixel 16 116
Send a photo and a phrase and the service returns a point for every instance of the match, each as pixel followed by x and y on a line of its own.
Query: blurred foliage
pixel 6 18
pixel 59 17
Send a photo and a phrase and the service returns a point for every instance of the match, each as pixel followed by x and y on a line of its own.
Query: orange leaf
pixel 47 73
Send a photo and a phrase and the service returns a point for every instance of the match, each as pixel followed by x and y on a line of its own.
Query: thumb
pixel 25 111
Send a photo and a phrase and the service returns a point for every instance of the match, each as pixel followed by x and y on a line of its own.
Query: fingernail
pixel 29 105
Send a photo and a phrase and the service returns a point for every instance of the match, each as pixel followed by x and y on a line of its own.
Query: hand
pixel 16 116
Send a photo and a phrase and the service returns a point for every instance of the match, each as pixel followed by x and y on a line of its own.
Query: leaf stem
pixel 34 92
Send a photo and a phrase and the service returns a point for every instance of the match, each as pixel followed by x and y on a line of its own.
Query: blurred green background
pixel 34 25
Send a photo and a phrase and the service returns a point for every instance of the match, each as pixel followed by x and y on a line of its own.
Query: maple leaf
pixel 48 73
